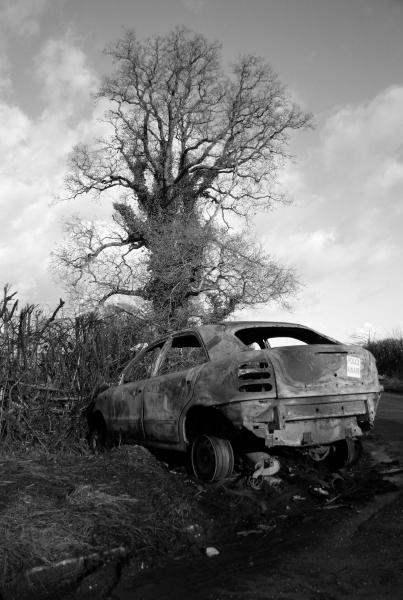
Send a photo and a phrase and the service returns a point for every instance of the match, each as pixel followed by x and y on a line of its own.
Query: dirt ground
pixel 120 518
pixel 315 552
pixel 127 524
pixel 346 545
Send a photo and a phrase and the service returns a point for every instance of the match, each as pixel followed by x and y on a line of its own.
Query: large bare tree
pixel 191 146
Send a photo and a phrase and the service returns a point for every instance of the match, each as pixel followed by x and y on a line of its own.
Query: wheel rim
pixel 212 458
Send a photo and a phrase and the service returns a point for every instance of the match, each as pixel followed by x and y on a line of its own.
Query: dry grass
pixel 89 496
pixel 61 506
pixel 34 531
pixel 61 502
pixel 50 364
pixel 54 508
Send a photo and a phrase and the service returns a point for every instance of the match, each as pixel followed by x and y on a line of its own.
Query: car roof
pixel 246 324
pixel 219 338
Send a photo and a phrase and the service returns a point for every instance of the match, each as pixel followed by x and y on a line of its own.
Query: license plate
pixel 353 367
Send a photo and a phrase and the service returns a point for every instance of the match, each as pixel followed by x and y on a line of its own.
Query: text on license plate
pixel 353 366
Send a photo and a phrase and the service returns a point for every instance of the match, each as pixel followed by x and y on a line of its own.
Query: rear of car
pixel 310 395
pixel 323 394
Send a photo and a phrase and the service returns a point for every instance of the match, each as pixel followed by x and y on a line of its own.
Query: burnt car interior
pixel 141 369
pixel 184 352
pixel 270 337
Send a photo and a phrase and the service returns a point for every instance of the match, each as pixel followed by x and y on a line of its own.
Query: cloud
pixel 194 6
pixel 34 158
pixel 66 79
pixel 21 16
pixel 368 332
pixel 343 232
pixel 5 76
pixel 14 128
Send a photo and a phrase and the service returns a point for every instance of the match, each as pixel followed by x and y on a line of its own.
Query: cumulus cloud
pixel 34 162
pixel 194 6
pixel 5 78
pixel 343 232
pixel 66 79
pixel 21 16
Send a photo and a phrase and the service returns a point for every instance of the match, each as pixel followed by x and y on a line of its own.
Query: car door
pixel 167 392
pixel 129 394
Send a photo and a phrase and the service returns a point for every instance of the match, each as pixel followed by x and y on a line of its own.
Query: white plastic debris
pixel 298 498
pixel 210 551
pixel 319 491
pixel 264 465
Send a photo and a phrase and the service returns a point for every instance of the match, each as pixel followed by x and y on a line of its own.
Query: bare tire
pixel 212 458
pixel 345 453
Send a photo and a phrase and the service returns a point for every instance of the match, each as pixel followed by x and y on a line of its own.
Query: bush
pixel 389 356
pixel 51 364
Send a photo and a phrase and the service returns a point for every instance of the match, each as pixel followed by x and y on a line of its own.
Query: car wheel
pixel 98 438
pixel 212 458
pixel 345 453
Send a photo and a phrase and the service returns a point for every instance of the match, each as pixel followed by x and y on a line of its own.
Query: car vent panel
pixel 255 377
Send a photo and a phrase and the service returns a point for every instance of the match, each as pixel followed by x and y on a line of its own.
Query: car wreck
pixel 221 391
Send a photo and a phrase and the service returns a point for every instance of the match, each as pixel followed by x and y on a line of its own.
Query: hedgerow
pixel 389 356
pixel 50 365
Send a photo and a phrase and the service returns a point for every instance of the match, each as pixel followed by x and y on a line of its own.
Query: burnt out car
pixel 237 387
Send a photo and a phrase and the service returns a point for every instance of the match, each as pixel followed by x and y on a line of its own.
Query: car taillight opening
pixel 254 377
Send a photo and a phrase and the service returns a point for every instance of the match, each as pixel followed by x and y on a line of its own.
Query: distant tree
pixel 190 146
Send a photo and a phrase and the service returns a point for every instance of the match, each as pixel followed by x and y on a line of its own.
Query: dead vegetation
pixel 388 353
pixel 62 515
pixel 49 366
pixel 61 507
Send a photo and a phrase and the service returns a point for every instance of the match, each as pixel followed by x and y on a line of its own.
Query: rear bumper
pixel 319 420
pixel 314 432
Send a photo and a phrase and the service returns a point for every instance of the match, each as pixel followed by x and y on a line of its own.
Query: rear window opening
pixel 279 342
pixel 259 338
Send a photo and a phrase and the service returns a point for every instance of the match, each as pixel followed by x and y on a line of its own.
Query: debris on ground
pixel 60 508
pixel 210 551
pixel 261 464
pixel 318 491
pixel 57 509
pixel 249 532
pixel 298 498
pixel 390 472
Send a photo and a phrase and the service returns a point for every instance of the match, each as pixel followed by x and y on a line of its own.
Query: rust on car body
pixel 251 383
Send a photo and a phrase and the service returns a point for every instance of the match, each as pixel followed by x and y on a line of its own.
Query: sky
pixel 342 61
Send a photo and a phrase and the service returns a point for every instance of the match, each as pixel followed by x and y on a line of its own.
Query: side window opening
pixel 185 352
pixel 142 368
